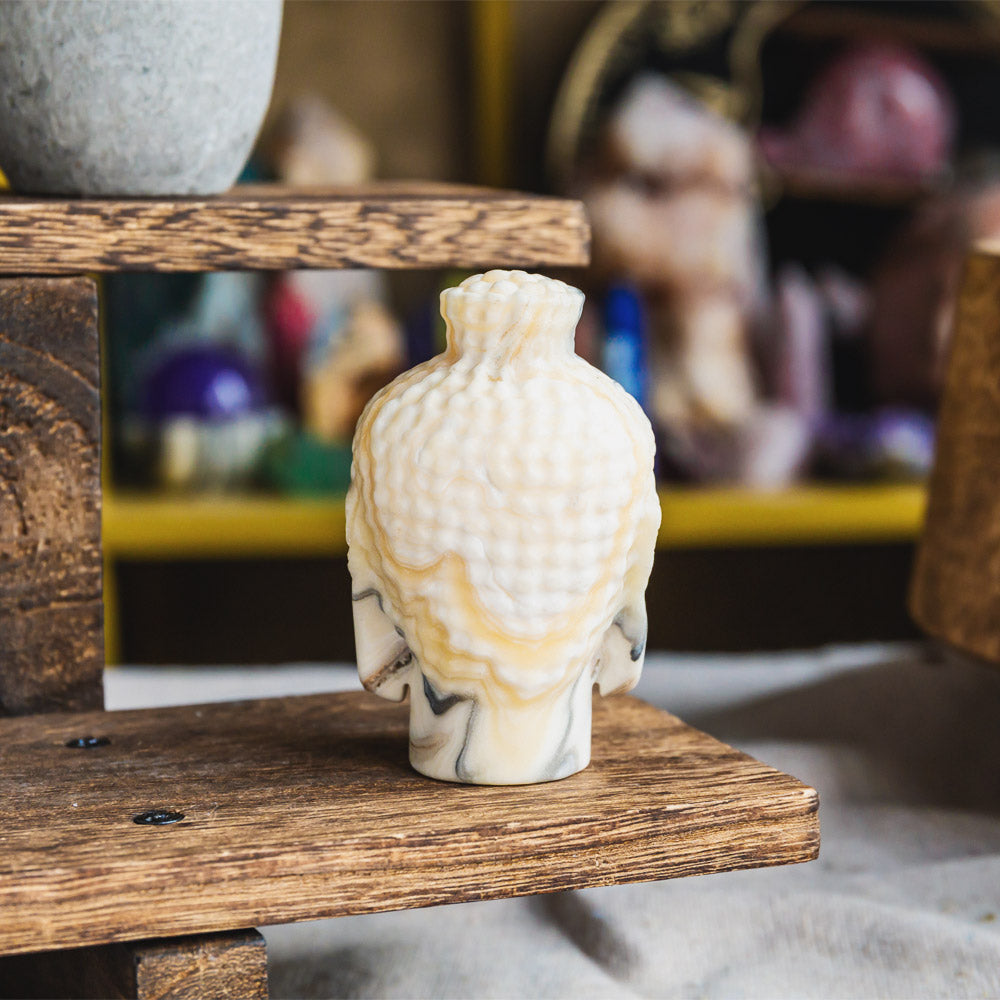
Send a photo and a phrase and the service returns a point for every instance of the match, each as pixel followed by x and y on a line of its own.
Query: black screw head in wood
pixel 158 817
pixel 87 742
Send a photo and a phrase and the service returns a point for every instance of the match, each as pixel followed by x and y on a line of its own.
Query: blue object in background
pixel 205 381
pixel 625 356
pixel 890 444
pixel 421 334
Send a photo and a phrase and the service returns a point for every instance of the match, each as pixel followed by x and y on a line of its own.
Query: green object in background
pixel 301 464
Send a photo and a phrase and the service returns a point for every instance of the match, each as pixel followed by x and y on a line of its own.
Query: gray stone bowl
pixel 133 97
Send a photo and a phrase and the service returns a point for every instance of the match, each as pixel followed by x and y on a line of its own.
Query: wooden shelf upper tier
pixel 299 808
pixel 273 228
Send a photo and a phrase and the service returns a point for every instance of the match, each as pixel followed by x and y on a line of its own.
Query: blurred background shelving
pixel 262 578
pixel 822 185
pixel 816 562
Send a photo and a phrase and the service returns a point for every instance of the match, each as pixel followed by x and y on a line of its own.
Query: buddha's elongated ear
pixel 385 662
pixel 623 651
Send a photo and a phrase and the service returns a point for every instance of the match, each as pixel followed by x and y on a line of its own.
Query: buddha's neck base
pixel 462 739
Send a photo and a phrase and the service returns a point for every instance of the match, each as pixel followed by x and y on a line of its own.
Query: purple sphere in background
pixel 212 383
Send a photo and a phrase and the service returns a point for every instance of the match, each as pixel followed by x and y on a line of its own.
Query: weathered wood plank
pixel 955 592
pixel 51 641
pixel 231 965
pixel 306 807
pixel 268 227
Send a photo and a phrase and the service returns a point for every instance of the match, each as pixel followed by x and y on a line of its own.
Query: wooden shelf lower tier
pixel 306 807
pixel 139 526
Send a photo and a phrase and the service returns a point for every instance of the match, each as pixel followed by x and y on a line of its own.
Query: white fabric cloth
pixel 904 747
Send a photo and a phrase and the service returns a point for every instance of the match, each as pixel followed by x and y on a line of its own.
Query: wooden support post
pixel 955 593
pixel 231 965
pixel 51 621
pixel 51 641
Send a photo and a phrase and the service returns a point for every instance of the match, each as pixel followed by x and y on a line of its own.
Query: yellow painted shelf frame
pixel 143 526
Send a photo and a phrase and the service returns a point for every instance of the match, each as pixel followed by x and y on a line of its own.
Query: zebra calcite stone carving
pixel 501 522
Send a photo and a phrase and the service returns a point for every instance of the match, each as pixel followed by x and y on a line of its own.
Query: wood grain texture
pixel 955 591
pixel 306 807
pixel 51 642
pixel 232 965
pixel 273 228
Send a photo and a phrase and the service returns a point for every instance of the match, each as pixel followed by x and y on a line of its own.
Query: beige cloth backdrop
pixel 904 747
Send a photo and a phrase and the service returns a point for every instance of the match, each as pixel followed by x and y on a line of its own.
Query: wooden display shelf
pixel 306 807
pixel 270 227
pixel 143 526
pixel 292 808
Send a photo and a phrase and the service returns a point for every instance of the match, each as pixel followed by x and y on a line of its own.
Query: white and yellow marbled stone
pixel 501 522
